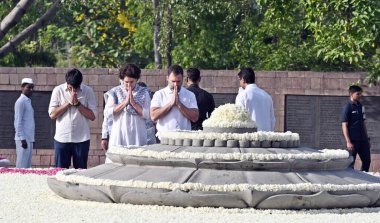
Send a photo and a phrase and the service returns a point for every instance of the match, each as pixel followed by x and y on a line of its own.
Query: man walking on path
pixel 354 128
pixel 24 125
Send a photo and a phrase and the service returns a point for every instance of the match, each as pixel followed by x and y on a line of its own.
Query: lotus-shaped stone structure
pixel 253 170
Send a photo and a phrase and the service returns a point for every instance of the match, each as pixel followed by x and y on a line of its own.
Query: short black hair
pixel 248 75
pixel 129 70
pixel 175 69
pixel 354 88
pixel 193 74
pixel 74 77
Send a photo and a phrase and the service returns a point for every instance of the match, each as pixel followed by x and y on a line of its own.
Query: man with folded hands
pixel 72 105
pixel 174 107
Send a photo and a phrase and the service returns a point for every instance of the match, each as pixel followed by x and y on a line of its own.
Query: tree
pixel 344 35
pixel 319 35
pixel 14 17
pixel 204 30
pixel 156 31
pixel 100 33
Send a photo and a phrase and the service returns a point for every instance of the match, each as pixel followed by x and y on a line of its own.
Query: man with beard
pixel 354 128
pixel 24 125
pixel 174 107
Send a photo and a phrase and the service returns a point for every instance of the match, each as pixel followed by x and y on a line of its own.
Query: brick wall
pixel 278 84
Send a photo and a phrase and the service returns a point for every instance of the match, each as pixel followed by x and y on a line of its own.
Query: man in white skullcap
pixel 24 125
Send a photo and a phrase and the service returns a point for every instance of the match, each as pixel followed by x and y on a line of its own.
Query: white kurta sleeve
pixel 273 118
pixel 156 100
pixel 54 100
pixel 193 101
pixel 146 106
pixel 240 100
pixel 19 113
pixel 105 128
pixel 108 109
pixel 92 101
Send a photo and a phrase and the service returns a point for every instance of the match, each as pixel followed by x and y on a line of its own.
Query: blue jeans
pixel 78 151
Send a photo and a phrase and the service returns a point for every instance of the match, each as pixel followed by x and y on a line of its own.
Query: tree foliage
pixel 320 35
pixel 99 33
pixel 24 27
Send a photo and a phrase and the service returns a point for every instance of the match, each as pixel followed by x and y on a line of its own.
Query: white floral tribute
pixel 67 176
pixel 229 116
pixel 254 136
pixel 164 155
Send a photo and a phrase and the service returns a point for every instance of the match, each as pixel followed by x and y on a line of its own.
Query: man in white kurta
pixel 258 102
pixel 174 107
pixel 24 125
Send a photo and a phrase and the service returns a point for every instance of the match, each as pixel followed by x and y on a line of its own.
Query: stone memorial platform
pixel 314 181
pixel 246 175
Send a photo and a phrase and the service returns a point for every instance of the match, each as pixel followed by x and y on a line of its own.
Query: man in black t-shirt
pixel 205 101
pixel 354 129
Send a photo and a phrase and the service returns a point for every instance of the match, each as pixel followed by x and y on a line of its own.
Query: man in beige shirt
pixel 72 105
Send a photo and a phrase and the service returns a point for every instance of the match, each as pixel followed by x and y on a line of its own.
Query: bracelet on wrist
pixel 77 104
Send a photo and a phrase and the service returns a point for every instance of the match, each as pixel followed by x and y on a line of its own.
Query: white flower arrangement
pixel 164 155
pixel 310 187
pixel 229 116
pixel 255 136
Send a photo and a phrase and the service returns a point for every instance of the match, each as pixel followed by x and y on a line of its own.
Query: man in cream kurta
pixel 258 102
pixel 174 107
pixel 24 125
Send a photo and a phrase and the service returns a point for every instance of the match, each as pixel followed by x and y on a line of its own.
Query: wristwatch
pixel 77 104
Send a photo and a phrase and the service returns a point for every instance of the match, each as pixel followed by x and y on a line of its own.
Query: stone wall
pixel 222 83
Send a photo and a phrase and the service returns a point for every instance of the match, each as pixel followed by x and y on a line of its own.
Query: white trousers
pixel 24 156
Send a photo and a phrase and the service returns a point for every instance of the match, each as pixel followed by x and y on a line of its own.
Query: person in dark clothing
pixel 205 101
pixel 354 129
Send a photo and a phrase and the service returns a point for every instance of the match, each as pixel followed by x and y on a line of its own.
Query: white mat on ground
pixel 27 198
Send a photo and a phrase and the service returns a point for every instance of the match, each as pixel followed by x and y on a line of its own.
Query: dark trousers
pixel 78 151
pixel 363 149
